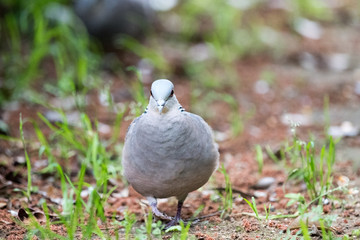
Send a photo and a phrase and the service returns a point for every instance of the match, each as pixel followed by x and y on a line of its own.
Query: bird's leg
pixel 155 210
pixel 177 218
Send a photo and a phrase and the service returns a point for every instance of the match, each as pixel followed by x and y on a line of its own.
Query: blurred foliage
pixel 213 36
pixel 316 9
pixel 43 39
pixel 45 46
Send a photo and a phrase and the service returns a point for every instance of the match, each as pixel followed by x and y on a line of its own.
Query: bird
pixel 168 152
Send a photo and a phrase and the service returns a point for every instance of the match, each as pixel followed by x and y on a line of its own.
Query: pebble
pixel 73 118
pixel 296 118
pixel 338 62
pixel 346 129
pixel 259 194
pixel 264 183
pixel 308 28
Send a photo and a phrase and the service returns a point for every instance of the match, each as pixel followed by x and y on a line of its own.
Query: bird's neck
pixel 166 113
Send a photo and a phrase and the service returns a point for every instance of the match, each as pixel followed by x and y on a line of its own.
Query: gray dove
pixel 168 151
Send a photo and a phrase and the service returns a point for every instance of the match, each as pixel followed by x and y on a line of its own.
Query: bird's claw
pixel 172 223
pixel 162 216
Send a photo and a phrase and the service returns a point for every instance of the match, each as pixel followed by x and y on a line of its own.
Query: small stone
pixel 308 28
pixel 308 61
pixel 3 203
pixel 346 129
pixel 4 128
pixel 66 104
pixel 53 116
pixel 221 136
pixel 265 183
pixel 199 52
pixel 353 191
pixel 146 69
pixel 104 128
pixel 338 62
pixel 296 118
pixel 273 197
pixel 123 193
pixel 20 160
pixel 343 181
pixel 261 87
pixel 87 192
pixel 163 5
pixel 260 194
pixel 357 87
pixel 41 163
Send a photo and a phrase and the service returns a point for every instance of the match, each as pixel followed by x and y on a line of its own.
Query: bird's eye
pixel 172 93
pixel 151 93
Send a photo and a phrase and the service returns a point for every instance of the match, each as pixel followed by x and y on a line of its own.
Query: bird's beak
pixel 160 104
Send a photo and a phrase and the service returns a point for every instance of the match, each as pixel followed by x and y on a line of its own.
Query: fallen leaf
pixel 40 216
pixel 22 214
pixel 3 203
pixel 6 222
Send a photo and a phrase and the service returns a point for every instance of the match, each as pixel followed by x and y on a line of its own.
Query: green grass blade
pixel 28 162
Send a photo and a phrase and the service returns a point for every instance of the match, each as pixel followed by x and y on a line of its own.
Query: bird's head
pixel 162 97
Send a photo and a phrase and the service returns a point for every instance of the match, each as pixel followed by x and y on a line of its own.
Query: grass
pixel 267 211
pixel 28 162
pixel 227 198
pixel 65 44
pixel 148 225
pixel 315 168
pixel 82 217
pixel 305 231
pixel 259 158
pixel 308 162
pixel 312 9
pixel 316 217
pixel 201 101
pixel 77 215
pixel 181 231
pixel 155 56
pixel 211 76
pixel 127 223
pixel 252 205
pixel 65 144
pixel 137 91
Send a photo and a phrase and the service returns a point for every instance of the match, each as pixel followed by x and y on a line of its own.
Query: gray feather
pixel 170 153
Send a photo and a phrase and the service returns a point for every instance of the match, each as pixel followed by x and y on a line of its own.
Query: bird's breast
pixel 164 130
pixel 168 138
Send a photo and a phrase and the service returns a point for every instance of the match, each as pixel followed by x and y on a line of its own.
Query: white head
pixel 162 96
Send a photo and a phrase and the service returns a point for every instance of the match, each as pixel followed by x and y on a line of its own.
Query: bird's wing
pixel 132 124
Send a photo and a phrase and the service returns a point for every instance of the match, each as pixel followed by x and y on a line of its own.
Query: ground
pixel 302 81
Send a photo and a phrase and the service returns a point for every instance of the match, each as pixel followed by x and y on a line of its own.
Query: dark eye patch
pixel 172 93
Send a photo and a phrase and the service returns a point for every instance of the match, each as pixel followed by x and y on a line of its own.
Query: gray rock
pixel 265 183
pixel 106 19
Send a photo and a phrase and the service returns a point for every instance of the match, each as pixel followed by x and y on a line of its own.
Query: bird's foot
pixel 156 212
pixel 177 217
pixel 161 215
pixel 172 223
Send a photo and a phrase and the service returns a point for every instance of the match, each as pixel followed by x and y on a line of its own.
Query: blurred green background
pixel 46 49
